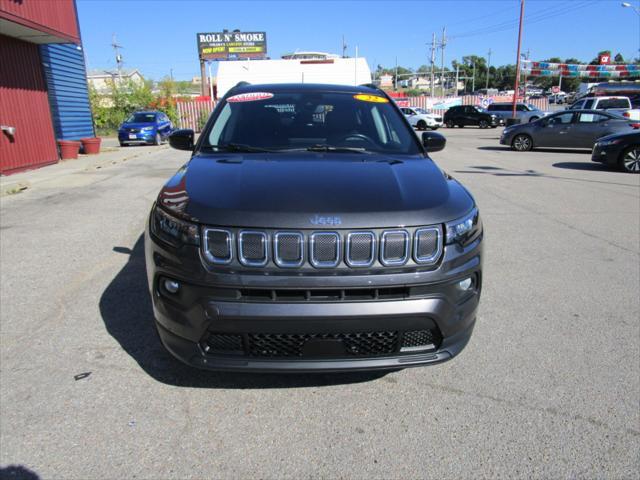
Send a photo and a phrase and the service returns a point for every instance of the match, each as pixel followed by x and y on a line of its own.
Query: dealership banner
pixel 232 45
pixel 548 69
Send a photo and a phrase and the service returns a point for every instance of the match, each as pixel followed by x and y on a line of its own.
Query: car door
pixel 165 125
pixel 554 131
pixel 588 127
pixel 469 117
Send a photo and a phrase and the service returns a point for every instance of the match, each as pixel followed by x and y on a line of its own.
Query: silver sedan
pixel 567 129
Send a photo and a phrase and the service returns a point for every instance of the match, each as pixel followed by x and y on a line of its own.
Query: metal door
pixel 27 138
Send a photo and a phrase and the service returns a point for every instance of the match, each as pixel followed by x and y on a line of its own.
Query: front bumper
pixel 227 307
pixel 138 137
pixel 605 155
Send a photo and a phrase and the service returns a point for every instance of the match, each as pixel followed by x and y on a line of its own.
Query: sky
pixel 160 35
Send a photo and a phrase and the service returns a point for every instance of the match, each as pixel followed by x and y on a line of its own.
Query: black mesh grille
pixel 325 248
pixel 427 243
pixel 289 247
pixel 420 338
pixel 292 345
pixel 223 343
pixel 254 246
pixel 218 244
pixel 395 247
pixel 360 247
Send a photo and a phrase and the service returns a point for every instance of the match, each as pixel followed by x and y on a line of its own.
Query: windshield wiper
pixel 240 147
pixel 328 148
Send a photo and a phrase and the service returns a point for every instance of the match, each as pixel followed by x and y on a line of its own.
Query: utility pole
pixel 395 77
pixel 433 63
pixel 344 48
pixel 443 45
pixel 457 77
pixel 473 81
pixel 171 74
pixel 116 49
pixel 488 65
pixel 525 75
pixel 517 82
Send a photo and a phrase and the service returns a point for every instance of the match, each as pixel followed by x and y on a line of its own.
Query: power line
pixel 535 18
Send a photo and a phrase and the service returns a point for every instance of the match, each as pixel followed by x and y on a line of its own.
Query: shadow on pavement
pixel 126 310
pixel 547 150
pixel 593 166
pixel 17 472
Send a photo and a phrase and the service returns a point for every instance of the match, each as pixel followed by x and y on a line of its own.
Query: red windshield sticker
pixel 249 97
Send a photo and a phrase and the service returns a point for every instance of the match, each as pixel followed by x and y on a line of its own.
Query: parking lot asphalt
pixel 549 385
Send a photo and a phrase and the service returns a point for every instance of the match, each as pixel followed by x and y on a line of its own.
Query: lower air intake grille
pixel 220 343
pixel 293 345
pixel 420 340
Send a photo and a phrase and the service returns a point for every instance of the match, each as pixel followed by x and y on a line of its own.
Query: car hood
pixel 137 125
pixel 314 191
pixel 635 135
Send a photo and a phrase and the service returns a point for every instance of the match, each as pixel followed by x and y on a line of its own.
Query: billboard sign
pixel 232 45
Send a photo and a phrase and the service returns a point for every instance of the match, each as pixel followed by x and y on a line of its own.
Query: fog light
pixel 465 284
pixel 171 286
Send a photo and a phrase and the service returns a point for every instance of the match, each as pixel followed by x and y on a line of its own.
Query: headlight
pixel 606 143
pixel 465 229
pixel 173 230
pixel 146 129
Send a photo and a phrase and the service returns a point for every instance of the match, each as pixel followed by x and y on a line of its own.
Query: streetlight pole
pixel 634 8
pixel 488 66
pixel 517 82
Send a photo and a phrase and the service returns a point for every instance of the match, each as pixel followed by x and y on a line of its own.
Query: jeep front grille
pixel 255 248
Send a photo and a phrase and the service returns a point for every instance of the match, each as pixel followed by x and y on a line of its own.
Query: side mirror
pixel 182 139
pixel 433 142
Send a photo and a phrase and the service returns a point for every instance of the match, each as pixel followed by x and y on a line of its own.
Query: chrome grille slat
pixel 360 249
pixel 324 249
pixel 394 247
pixel 252 248
pixel 288 249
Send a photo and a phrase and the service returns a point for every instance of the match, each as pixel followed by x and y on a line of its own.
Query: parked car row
pixel 615 139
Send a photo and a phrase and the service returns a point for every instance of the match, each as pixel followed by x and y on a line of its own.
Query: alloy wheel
pixel 631 160
pixel 522 143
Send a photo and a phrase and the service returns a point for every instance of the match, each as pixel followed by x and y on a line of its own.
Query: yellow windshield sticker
pixel 370 98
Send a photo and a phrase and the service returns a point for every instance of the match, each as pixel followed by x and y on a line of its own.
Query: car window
pixel 141 118
pixel 298 120
pixel 560 119
pixel 587 104
pixel 577 105
pixel 421 111
pixel 493 108
pixel 613 103
pixel 521 108
pixel 592 118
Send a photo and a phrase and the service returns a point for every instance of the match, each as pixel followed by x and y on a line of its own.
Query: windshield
pixel 141 118
pixel 422 111
pixel 481 110
pixel 324 121
pixel 532 108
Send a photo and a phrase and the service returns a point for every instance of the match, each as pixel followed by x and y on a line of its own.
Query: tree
pixel 619 59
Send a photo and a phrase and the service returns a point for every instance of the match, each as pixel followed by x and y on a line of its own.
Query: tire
pixel 494 126
pixel 630 159
pixel 533 119
pixel 422 125
pixel 449 124
pixel 122 144
pixel 483 124
pixel 522 143
pixel 157 140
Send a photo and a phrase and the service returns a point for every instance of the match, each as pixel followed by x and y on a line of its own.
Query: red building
pixel 31 89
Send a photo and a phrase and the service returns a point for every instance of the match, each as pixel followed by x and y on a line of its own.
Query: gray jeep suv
pixel 310 231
